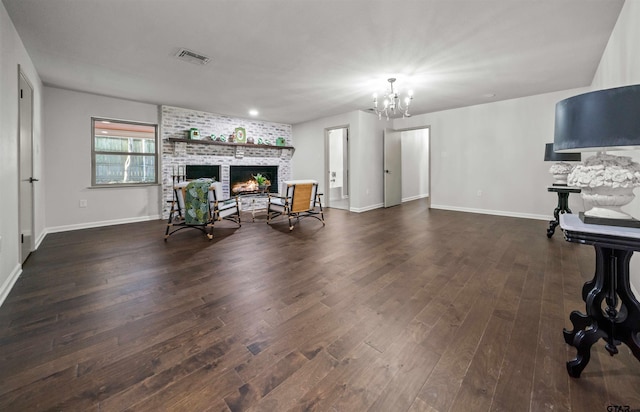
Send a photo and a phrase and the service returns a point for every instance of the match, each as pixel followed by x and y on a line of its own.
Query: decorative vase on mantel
pixel 607 182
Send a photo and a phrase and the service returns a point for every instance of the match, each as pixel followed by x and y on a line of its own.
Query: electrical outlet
pixel 479 193
pixel 83 203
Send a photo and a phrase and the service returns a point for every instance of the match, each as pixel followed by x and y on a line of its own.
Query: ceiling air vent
pixel 192 57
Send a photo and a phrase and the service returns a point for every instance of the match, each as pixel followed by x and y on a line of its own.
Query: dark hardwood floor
pixel 400 309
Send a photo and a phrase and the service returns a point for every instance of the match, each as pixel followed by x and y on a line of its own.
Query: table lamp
pixel 561 169
pixel 599 121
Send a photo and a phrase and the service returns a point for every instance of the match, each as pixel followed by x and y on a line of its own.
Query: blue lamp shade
pixel 599 121
pixel 551 156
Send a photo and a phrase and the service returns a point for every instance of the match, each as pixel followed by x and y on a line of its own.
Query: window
pixel 124 153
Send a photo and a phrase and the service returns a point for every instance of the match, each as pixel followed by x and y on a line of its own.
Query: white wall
pixel 489 158
pixel 495 149
pixel 620 66
pixel 620 63
pixel 365 155
pixel 12 54
pixel 415 164
pixel 485 158
pixel 67 163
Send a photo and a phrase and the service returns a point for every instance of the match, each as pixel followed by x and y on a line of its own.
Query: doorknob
pixel 387 171
pixel 31 180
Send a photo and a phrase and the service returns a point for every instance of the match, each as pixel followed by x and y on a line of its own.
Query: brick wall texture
pixel 176 122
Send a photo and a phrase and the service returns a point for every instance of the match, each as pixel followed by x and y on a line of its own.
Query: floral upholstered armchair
pixel 199 204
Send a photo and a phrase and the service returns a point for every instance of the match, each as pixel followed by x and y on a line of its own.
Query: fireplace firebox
pixel 239 176
pixel 202 171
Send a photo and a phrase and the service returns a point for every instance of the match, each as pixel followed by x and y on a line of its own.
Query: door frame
pixel 408 129
pixel 31 245
pixel 346 156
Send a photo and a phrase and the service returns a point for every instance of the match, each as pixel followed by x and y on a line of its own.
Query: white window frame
pixel 95 153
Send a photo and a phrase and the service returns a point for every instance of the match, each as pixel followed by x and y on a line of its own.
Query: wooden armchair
pixel 299 199
pixel 202 211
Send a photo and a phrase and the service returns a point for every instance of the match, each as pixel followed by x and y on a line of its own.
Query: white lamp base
pixel 607 201
pixel 560 171
pixel 607 183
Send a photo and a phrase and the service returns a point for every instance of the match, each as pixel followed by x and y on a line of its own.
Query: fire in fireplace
pixel 242 178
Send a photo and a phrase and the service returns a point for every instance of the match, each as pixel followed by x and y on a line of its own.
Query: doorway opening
pixel 337 167
pixel 407 164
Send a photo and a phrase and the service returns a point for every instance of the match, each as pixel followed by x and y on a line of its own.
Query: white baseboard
pixel 90 225
pixel 411 198
pixel 8 284
pixel 6 287
pixel 460 209
pixel 366 208
pixel 39 239
pixel 492 212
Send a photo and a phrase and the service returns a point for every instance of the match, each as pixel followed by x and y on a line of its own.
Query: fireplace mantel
pixel 243 145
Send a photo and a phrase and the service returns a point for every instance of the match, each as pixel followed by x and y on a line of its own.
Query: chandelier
pixel 392 103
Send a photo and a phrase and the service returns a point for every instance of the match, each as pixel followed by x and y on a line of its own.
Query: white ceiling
pixel 297 60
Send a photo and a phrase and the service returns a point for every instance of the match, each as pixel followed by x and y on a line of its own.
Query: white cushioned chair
pixel 298 199
pixel 217 209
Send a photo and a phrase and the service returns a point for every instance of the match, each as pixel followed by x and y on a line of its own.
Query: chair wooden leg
pixel 209 229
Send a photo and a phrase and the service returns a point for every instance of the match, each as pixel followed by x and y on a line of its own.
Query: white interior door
pixel 392 168
pixel 26 167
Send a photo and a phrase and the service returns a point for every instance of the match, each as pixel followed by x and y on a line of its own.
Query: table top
pixel 617 237
pixel 564 189
pixel 573 223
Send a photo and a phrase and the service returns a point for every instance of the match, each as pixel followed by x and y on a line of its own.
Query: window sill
pixel 124 185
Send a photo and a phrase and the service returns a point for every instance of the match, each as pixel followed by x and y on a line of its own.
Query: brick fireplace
pixel 178 152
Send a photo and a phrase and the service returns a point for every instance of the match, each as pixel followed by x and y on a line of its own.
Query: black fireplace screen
pixel 202 171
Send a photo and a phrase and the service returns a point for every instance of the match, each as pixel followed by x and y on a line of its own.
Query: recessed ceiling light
pixel 253 112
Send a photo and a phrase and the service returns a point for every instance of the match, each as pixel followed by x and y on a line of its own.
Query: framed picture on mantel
pixel 241 135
